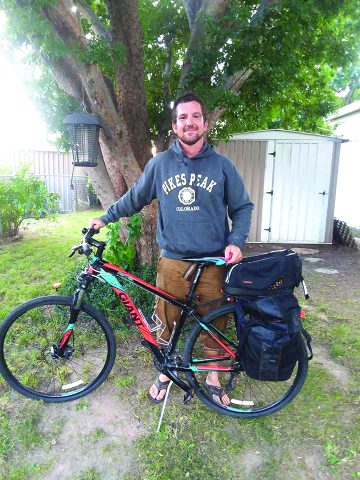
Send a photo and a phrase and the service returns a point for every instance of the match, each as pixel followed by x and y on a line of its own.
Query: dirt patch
pixel 252 460
pixel 340 373
pixel 97 432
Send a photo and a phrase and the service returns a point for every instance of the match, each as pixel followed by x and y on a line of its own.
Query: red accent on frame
pixel 127 274
pixel 90 270
pixel 135 315
pixel 65 338
pixel 217 356
pixel 227 349
pixel 218 369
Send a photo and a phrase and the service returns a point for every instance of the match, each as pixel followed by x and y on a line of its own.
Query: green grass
pixel 196 441
pixel 89 474
pixel 316 434
pixel 333 320
pixel 32 265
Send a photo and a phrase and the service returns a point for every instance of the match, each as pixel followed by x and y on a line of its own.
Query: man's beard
pixel 192 140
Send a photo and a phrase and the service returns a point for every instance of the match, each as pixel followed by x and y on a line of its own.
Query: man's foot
pixel 218 393
pixel 157 391
pixel 213 386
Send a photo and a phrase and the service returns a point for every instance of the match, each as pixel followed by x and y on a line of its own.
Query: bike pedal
pixel 188 396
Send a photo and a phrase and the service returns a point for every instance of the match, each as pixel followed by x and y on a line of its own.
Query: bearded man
pixel 197 190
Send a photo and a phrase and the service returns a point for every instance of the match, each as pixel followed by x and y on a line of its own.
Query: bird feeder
pixel 84 137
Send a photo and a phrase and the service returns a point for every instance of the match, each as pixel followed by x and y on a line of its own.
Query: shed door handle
pixel 323 193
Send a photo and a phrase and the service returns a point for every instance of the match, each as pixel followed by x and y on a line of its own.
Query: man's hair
pixel 185 98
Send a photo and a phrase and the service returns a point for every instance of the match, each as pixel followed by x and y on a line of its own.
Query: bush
pixel 123 252
pixel 23 196
pixel 104 298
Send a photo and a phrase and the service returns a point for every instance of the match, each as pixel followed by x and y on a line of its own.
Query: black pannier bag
pixel 269 316
pixel 263 274
pixel 269 331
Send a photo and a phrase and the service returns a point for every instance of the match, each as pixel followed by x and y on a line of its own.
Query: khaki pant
pixel 170 278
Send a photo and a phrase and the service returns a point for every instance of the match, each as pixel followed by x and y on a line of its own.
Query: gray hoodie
pixel 196 195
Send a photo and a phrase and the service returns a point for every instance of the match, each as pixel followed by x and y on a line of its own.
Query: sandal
pixel 217 391
pixel 160 386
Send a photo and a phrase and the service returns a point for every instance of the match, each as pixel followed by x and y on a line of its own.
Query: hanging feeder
pixel 84 137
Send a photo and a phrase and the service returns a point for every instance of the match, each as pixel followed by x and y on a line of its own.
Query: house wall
pixel 348 192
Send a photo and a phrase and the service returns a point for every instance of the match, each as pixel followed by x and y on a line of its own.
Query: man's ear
pixel 174 127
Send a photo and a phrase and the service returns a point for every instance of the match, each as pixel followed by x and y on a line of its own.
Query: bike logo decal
pixel 187 196
pixel 135 315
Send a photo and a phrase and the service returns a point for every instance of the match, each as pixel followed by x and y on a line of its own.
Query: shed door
pixel 297 202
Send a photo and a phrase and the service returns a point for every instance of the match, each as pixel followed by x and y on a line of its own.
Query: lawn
pixel 111 433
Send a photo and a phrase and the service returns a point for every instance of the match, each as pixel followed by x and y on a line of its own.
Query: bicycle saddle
pixel 216 260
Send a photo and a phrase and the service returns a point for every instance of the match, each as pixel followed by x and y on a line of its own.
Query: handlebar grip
pixel 89 232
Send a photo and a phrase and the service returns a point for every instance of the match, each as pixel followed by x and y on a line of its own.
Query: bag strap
pixel 308 339
pixel 243 326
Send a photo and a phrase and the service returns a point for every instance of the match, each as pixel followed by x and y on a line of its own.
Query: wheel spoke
pixel 249 397
pixel 26 360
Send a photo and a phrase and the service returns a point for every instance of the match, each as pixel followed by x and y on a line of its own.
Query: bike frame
pixel 100 269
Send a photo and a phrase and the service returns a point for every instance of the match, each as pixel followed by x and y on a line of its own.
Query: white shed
pixel 291 178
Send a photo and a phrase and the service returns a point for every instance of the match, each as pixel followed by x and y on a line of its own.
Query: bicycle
pixel 59 348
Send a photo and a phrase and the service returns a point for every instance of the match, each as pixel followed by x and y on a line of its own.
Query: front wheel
pixel 30 338
pixel 249 398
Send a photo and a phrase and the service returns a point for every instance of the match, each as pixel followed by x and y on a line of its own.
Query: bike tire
pixel 249 398
pixel 27 336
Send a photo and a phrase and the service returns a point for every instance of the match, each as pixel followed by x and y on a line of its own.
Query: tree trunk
pixel 147 248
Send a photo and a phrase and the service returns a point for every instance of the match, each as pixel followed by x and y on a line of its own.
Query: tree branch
pixel 262 10
pixel 209 8
pixel 161 139
pixel 192 8
pixel 216 9
pixel 98 27
pixel 130 87
pixel 118 154
pixel 233 83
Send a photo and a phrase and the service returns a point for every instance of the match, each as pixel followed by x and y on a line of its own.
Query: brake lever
pixel 74 249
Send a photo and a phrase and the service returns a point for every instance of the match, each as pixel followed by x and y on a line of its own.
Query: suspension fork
pixel 74 313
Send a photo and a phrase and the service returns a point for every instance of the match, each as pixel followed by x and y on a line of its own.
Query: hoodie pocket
pixel 188 238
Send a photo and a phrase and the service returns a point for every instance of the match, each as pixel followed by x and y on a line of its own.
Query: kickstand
pixel 164 405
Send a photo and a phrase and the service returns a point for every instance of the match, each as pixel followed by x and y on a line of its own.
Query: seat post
pixel 190 296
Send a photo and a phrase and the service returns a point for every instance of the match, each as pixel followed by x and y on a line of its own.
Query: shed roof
pixel 278 134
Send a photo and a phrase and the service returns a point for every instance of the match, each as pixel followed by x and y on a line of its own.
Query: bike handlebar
pixel 87 242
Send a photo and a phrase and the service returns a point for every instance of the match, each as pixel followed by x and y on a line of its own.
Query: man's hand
pixel 96 223
pixel 233 254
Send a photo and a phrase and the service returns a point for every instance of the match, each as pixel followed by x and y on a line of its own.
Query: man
pixel 197 190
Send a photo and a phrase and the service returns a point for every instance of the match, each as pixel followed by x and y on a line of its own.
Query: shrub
pixel 105 299
pixel 123 252
pixel 23 196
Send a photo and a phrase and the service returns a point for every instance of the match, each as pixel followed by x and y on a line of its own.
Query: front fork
pixel 63 349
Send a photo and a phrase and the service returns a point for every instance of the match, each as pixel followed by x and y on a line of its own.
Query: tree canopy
pixel 264 64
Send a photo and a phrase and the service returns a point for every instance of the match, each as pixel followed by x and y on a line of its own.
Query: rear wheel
pixel 29 350
pixel 249 398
